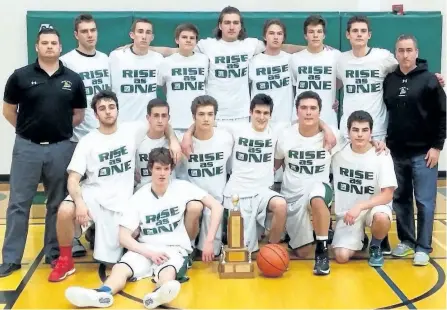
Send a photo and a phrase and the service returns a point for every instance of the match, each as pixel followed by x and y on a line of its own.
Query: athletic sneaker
pixel 321 267
pixel 421 259
pixel 375 256
pixel 402 250
pixel 64 267
pixel 83 297
pixel 163 295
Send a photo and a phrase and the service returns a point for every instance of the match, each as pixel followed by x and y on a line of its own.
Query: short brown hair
pixel 357 19
pixel 140 20
pixel 186 27
pixel 314 20
pixel 48 31
pixel 160 155
pixel 156 102
pixel 81 19
pixel 202 101
pixel 278 22
pixel 230 10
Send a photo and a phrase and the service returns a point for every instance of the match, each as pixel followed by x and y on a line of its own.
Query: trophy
pixel 235 261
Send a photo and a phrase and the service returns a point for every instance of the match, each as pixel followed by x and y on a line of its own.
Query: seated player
pixel 306 185
pixel 157 210
pixel 158 117
pixel 107 157
pixel 364 185
pixel 206 166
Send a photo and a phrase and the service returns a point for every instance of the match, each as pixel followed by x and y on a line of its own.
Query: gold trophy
pixel 235 261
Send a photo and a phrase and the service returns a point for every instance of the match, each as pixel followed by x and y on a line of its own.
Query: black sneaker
pixel 385 246
pixel 321 267
pixel 90 236
pixel 330 236
pixel 365 242
pixel 6 269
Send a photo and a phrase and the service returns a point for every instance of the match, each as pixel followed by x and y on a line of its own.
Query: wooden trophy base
pixel 236 265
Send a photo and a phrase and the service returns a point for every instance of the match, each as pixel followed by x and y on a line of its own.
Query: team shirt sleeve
pixel 279 149
pixel 260 47
pixel 387 176
pixel 389 62
pixel 193 192
pixel 130 219
pixel 292 70
pixel 140 131
pixel 78 161
pixel 161 77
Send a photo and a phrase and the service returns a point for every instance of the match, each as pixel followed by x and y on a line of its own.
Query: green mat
pixel 39 199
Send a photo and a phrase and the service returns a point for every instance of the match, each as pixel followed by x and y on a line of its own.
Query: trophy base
pixel 236 255
pixel 239 270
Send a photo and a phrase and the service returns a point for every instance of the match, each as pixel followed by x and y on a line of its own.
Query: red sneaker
pixel 64 267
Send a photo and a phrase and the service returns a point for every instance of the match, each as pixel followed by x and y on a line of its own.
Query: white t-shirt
pixel 306 161
pixel 357 177
pixel 142 157
pixel 109 164
pixel 185 79
pixel 362 79
pixel 317 72
pixel 270 75
pixel 252 159
pixel 94 72
pixel 161 219
pixel 228 76
pixel 134 80
pixel 207 165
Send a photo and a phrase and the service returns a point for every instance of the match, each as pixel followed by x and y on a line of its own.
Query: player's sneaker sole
pixel 83 297
pixel 165 294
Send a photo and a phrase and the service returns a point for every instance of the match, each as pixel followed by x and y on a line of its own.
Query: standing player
pixel 315 68
pixel 362 71
pixel 206 167
pixel 158 118
pixel 107 157
pixel 364 186
pixel 306 180
pixel 91 65
pixel 269 72
pixel 93 68
pixel 157 210
pixel 184 74
pixel 134 72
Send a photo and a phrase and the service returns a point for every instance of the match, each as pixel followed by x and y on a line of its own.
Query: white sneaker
pixel 83 297
pixel 421 259
pixel 165 294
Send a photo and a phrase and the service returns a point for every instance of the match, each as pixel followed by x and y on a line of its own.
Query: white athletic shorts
pixel 107 246
pixel 143 267
pixel 351 237
pixel 203 233
pixel 254 212
pixel 298 224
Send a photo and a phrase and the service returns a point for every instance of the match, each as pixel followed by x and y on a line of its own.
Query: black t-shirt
pixel 45 103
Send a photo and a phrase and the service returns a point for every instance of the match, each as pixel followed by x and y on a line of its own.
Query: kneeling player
pixel 364 185
pixel 306 180
pixel 157 210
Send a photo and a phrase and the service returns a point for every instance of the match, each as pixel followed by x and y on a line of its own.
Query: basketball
pixel 272 260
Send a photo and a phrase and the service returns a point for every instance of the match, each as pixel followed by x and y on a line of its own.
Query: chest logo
pixel 66 85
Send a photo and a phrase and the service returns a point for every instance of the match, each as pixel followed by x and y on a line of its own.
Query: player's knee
pixel 381 218
pixel 318 202
pixel 278 206
pixel 122 270
pixel 194 209
pixel 303 252
pixel 66 211
pixel 342 256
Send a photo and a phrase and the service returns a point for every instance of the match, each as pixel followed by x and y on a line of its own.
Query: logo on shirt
pixel 66 85
pixel 315 74
pixel 357 178
pixel 234 66
pixel 162 221
pixel 115 162
pixel 208 165
pixel 273 75
pixel 403 91
pixel 33 83
pixel 307 161
pixel 362 81
pixel 258 151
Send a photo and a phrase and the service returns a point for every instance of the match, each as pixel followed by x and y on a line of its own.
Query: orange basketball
pixel 272 261
pixel 284 253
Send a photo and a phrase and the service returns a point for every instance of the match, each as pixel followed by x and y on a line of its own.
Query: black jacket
pixel 416 103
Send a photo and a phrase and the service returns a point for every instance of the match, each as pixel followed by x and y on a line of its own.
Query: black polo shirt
pixel 45 102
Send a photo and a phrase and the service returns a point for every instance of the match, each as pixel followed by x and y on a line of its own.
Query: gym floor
pixel 354 285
